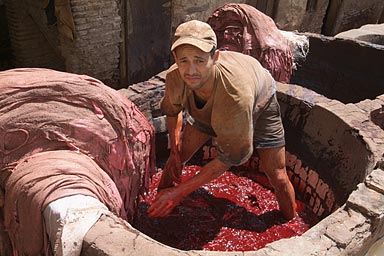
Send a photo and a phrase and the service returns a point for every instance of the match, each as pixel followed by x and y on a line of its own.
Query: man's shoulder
pixel 238 63
pixel 237 60
pixel 172 69
pixel 172 73
pixel 237 55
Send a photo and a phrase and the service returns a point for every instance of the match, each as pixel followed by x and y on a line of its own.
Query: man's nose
pixel 192 68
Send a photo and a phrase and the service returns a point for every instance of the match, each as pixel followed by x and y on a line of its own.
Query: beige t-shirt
pixel 242 88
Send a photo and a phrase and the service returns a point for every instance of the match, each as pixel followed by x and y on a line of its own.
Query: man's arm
pixel 175 124
pixel 167 199
pixel 173 167
pixel 209 172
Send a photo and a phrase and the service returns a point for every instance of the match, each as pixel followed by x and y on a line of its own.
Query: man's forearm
pixel 174 130
pixel 172 169
pixel 209 172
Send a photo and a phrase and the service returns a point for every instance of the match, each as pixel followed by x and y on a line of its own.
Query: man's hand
pixel 172 172
pixel 168 198
pixel 165 201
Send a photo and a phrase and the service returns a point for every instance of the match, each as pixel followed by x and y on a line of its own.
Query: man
pixel 228 96
pixel 243 28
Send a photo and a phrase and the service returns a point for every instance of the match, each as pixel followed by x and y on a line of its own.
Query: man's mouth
pixel 192 78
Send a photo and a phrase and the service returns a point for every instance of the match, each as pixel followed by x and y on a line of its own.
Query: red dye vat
pixel 232 213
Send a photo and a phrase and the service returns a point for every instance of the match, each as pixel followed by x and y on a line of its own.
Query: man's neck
pixel 205 92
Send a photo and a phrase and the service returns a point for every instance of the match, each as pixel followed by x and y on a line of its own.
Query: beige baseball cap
pixel 196 33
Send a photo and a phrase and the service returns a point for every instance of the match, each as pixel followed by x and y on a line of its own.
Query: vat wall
pixel 341 69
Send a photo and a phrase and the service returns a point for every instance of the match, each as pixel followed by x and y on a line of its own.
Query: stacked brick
pixel 29 47
pixel 95 48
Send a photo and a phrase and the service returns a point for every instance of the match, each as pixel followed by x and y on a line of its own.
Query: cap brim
pixel 204 46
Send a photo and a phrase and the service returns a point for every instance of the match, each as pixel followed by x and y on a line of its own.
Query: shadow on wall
pixel 5 44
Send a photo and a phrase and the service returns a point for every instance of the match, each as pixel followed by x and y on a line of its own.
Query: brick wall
pixel 29 45
pixel 95 49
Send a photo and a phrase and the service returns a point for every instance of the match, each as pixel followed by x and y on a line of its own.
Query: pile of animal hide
pixel 63 134
pixel 258 37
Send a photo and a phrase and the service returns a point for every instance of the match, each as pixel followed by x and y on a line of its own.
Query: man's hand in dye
pixel 172 172
pixel 165 201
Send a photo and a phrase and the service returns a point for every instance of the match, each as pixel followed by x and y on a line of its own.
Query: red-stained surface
pixel 232 213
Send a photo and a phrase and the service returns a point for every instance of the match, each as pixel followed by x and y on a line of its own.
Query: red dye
pixel 232 213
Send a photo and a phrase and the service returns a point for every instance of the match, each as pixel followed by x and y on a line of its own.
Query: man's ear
pixel 174 56
pixel 216 56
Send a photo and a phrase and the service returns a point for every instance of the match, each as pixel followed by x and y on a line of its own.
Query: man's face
pixel 231 38
pixel 195 66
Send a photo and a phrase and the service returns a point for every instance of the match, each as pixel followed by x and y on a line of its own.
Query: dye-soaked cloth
pixel 42 178
pixel 44 110
pixel 67 221
pixel 261 38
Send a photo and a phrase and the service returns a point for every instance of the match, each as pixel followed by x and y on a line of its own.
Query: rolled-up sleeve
pixel 172 102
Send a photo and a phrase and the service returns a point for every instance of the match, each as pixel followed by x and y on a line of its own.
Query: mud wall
pixel 318 135
pixel 183 10
pixel 301 15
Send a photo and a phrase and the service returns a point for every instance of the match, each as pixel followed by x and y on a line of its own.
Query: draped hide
pixel 63 134
pixel 258 36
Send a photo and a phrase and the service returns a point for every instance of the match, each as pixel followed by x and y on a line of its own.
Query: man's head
pixel 196 33
pixel 194 50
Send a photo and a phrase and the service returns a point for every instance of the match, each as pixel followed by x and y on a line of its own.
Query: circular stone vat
pixel 330 152
pixel 369 33
pixel 324 156
pixel 373 39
